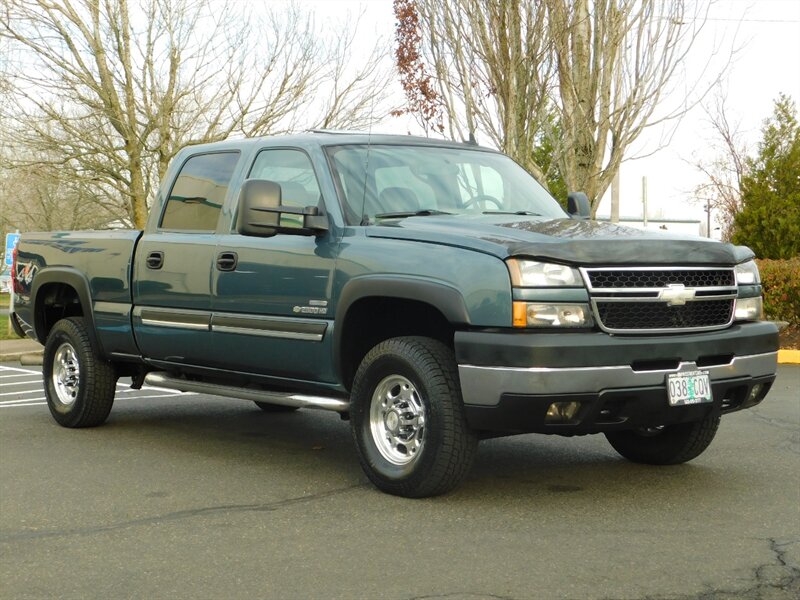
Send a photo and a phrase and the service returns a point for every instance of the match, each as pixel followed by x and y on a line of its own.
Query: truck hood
pixel 563 240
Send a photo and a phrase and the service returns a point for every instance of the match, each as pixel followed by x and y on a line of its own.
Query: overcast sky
pixel 766 34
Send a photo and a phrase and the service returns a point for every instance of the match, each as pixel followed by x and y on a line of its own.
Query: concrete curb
pixel 789 357
pixel 29 358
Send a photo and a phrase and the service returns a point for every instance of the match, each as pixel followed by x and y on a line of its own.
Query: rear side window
pixel 199 191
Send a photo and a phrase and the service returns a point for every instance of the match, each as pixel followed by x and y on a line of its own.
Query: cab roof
pixel 330 137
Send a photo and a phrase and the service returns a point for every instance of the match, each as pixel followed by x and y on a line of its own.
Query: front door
pixel 272 311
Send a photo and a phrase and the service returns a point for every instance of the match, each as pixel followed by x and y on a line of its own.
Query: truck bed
pixel 96 263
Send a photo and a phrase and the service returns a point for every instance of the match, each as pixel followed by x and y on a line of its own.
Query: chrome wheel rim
pixel 66 374
pixel 397 420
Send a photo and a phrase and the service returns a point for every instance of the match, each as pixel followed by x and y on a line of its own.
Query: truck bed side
pixel 81 273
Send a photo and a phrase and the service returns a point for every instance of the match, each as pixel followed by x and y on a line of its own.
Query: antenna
pixel 472 141
pixel 364 219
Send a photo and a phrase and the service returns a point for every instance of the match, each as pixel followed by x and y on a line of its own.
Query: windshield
pixel 379 182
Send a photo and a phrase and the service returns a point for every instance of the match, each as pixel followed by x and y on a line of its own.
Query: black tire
pixel 401 453
pixel 670 445
pixel 274 408
pixel 79 384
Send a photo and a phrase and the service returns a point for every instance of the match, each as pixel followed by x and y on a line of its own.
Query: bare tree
pixel 723 173
pixel 603 67
pixel 40 199
pixel 109 92
pixel 489 66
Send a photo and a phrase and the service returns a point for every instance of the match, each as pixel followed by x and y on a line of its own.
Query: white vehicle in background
pixel 5 282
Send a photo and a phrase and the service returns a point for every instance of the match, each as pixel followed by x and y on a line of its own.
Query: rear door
pixel 173 262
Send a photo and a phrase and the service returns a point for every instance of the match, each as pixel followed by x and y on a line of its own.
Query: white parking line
pixel 8 384
pixel 20 399
pixel 4 369
pixel 18 392
pixel 28 401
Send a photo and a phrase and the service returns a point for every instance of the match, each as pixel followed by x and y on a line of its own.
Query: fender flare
pixel 443 297
pixel 77 281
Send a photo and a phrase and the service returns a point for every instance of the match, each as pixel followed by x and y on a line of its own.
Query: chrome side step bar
pixel 165 380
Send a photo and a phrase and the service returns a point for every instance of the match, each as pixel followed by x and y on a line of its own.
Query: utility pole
pixel 615 198
pixel 708 217
pixel 644 200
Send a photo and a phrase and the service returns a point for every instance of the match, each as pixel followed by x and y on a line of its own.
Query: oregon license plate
pixel 688 387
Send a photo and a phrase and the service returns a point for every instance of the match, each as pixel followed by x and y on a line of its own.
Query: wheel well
pixel 369 321
pixel 55 301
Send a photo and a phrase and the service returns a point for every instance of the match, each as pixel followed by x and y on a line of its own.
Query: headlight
pixel 531 273
pixel 536 314
pixel 748 309
pixel 747 273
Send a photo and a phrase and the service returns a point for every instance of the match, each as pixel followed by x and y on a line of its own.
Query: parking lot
pixel 192 496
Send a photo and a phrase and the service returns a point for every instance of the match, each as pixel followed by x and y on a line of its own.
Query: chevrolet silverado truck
pixel 433 293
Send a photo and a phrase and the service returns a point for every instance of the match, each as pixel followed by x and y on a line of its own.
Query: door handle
pixel 227 261
pixel 155 260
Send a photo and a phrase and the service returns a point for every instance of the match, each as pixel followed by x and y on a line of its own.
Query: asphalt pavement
pixel 191 496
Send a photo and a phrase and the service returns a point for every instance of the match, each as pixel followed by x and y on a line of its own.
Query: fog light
pixel 754 392
pixel 748 309
pixel 562 412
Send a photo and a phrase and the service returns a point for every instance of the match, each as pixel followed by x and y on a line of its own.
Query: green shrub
pixel 781 281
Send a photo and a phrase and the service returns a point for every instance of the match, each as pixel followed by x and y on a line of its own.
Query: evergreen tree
pixel 770 218
pixel 544 155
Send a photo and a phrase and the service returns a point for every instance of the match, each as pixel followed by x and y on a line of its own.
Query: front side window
pixel 292 170
pixel 384 181
pixel 196 198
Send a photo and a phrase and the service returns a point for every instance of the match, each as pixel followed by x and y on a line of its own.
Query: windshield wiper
pixel 511 212
pixel 420 213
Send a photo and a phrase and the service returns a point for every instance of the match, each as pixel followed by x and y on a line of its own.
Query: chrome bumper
pixel 484 385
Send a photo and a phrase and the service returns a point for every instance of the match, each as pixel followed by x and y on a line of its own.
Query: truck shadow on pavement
pixel 320 444
pixel 580 471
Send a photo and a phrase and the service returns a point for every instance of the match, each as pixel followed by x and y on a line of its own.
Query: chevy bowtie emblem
pixel 676 294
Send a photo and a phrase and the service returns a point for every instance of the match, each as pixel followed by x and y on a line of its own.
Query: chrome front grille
pixel 657 315
pixel 661 299
pixel 659 278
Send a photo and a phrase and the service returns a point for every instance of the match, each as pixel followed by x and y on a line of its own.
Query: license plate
pixel 689 387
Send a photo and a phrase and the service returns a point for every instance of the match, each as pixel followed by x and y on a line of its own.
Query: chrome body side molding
pixel 311 330
pixel 292 328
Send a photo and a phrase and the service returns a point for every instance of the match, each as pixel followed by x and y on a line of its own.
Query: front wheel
pixel 407 418
pixel 667 445
pixel 78 383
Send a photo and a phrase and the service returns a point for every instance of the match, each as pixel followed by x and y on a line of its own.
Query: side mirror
pixel 261 213
pixel 578 205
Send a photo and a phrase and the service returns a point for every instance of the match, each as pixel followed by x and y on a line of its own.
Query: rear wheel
pixel 407 418
pixel 79 384
pixel 667 445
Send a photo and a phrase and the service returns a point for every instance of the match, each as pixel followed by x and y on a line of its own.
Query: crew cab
pixel 433 293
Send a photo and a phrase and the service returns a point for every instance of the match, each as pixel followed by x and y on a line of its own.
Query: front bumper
pixel 508 380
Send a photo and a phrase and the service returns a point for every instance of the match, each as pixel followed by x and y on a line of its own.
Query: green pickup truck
pixel 433 293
